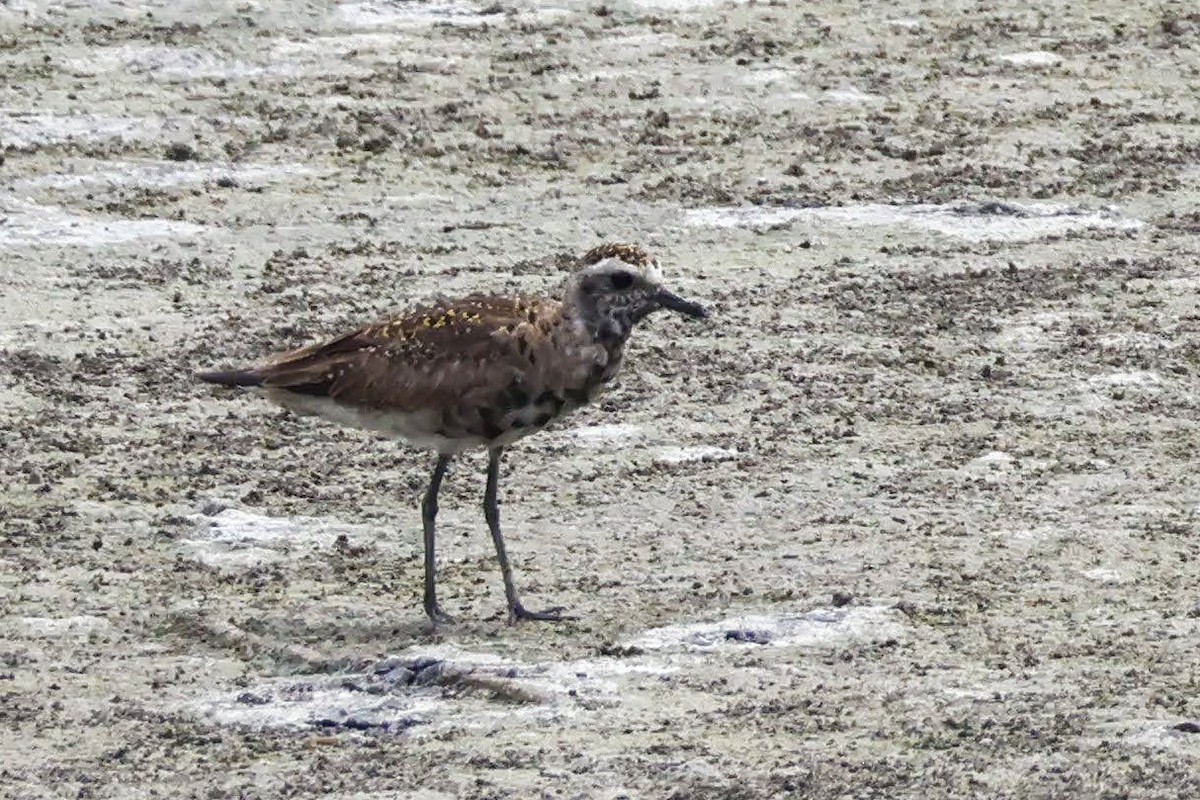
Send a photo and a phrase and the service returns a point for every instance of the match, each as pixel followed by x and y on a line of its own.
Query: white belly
pixel 419 428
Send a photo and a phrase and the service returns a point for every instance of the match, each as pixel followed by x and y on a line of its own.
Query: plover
pixel 482 371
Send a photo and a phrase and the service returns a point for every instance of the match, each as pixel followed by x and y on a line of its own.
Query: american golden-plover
pixel 482 371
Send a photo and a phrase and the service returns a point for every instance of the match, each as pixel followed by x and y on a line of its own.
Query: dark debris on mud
pixel 996 438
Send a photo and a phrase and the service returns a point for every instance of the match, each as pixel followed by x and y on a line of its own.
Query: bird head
pixel 617 285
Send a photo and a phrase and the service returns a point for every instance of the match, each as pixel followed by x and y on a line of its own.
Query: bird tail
pixel 231 377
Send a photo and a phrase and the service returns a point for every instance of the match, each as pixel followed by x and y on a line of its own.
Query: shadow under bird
pixel 482 371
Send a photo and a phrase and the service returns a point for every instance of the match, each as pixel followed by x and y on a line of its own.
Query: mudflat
pixel 914 514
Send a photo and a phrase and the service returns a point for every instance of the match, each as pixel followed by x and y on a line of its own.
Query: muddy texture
pixel 936 492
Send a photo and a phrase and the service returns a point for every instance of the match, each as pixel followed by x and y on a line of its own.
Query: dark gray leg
pixel 429 509
pixel 491 511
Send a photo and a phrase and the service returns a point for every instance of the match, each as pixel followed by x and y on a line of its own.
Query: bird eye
pixel 621 281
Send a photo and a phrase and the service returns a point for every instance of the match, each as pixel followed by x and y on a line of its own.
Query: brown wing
pixel 467 350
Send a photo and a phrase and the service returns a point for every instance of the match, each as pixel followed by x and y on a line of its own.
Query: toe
pixel 555 614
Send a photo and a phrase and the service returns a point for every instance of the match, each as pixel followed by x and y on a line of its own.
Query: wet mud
pixel 914 514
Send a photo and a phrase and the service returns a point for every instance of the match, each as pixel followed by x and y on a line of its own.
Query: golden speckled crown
pixel 629 253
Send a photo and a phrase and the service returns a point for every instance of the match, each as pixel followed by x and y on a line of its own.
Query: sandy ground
pixel 914 515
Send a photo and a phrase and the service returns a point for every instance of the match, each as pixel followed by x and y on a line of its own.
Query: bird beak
pixel 676 303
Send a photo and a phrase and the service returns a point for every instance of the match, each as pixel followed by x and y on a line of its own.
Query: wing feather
pixel 469 351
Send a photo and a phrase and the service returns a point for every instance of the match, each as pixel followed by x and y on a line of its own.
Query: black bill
pixel 676 303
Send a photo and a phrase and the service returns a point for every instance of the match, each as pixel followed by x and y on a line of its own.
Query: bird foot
pixel 519 612
pixel 437 616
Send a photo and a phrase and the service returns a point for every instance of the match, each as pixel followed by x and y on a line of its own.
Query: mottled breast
pixel 572 375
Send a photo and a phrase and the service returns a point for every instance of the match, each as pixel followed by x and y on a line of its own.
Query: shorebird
pixel 482 371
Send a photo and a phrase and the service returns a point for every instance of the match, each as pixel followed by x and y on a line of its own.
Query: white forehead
pixel 650 271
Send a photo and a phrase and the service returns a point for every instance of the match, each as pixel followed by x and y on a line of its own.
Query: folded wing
pixel 466 351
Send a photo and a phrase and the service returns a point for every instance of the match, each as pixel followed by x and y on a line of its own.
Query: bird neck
pixel 607 326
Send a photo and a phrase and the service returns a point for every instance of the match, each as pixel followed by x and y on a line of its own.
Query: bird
pixel 482 371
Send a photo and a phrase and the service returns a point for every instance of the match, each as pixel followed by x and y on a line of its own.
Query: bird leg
pixel 429 509
pixel 491 511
